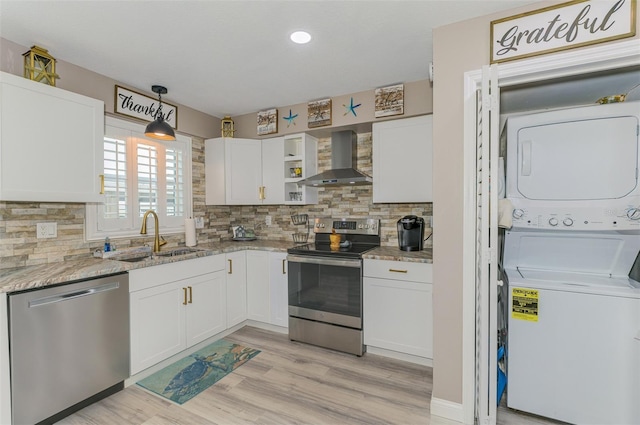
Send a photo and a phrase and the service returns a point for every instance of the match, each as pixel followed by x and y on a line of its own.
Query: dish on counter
pixel 245 239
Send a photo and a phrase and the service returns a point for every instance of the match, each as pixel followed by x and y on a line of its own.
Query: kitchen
pixel 281 236
pixel 447 218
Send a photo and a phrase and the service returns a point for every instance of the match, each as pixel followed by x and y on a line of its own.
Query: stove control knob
pixel 567 221
pixel 518 213
pixel 553 221
pixel 633 213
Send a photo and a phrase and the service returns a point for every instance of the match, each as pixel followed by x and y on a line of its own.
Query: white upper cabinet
pixel 51 143
pixel 243 171
pixel 272 178
pixel 402 160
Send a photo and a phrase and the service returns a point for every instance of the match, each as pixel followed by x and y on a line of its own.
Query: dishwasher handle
pixel 73 294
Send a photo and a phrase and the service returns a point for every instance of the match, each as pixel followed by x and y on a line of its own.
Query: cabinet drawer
pixel 399 270
pixel 149 277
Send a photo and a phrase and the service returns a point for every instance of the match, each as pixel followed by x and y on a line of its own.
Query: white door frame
pixel 598 58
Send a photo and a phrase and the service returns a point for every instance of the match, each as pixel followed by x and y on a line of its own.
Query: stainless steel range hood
pixel 343 163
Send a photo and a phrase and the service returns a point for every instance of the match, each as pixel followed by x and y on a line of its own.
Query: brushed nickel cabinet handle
pixel 397 271
pixel 284 271
pixel 230 266
pixel 185 296
pixel 190 294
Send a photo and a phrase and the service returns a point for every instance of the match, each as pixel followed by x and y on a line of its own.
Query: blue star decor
pixel 351 108
pixel 290 119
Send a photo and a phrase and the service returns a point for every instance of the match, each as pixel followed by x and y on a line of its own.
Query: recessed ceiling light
pixel 300 37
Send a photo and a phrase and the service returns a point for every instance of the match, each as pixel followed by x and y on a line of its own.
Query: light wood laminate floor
pixel 290 383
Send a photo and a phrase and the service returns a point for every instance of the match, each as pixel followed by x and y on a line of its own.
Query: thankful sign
pixel 565 26
pixel 143 107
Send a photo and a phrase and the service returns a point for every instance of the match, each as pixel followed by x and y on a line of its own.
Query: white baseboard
pixel 400 356
pixel 267 326
pixel 446 409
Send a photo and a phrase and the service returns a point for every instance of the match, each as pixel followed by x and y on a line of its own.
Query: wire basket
pixel 300 237
pixel 299 219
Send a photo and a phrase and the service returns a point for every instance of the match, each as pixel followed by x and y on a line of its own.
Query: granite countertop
pixel 393 253
pixel 30 277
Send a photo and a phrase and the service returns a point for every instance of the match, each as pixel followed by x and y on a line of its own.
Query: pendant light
pixel 159 128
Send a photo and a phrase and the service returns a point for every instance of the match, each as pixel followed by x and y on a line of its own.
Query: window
pixel 141 174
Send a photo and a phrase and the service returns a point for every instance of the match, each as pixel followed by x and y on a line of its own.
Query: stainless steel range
pixel 325 284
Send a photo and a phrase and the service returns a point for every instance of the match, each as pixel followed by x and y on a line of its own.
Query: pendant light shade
pixel 159 128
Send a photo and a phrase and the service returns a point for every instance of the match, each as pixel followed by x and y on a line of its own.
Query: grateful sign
pixel 143 107
pixel 564 26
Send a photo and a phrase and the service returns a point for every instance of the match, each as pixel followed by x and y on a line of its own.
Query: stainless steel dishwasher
pixel 69 346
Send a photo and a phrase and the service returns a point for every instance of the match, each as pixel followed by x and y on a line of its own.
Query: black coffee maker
pixel 410 233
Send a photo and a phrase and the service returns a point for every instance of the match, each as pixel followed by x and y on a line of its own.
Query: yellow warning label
pixel 525 304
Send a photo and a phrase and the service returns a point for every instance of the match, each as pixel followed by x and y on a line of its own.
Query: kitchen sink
pixel 142 256
pixel 176 252
pixel 133 259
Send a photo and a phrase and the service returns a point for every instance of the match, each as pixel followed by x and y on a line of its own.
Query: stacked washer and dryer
pixel 571 259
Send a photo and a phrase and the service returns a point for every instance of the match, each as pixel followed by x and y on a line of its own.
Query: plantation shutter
pixel 488 119
pixel 114 212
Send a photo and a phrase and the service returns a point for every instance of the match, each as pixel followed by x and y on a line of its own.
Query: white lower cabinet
pixel 174 306
pixel 177 305
pixel 278 289
pixel 236 288
pixel 258 286
pixel 267 295
pixel 398 306
pixel 207 295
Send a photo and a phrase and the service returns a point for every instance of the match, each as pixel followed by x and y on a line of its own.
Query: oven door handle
pixel 324 261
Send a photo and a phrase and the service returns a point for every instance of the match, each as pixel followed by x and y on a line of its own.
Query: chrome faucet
pixel 143 231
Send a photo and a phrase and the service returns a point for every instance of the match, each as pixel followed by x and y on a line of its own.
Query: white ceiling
pixel 234 57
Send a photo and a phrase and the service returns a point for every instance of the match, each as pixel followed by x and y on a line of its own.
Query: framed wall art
pixel 268 121
pixel 389 101
pixel 143 107
pixel 564 26
pixel 319 113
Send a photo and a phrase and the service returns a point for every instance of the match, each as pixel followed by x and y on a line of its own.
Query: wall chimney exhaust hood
pixel 343 163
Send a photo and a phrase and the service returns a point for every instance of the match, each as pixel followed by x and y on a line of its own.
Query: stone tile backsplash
pixel 20 247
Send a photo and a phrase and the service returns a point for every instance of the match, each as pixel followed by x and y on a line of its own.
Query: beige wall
pixel 97 86
pixel 418 97
pixel 458 48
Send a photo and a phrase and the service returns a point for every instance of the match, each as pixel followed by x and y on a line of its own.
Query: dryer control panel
pixel 622 218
